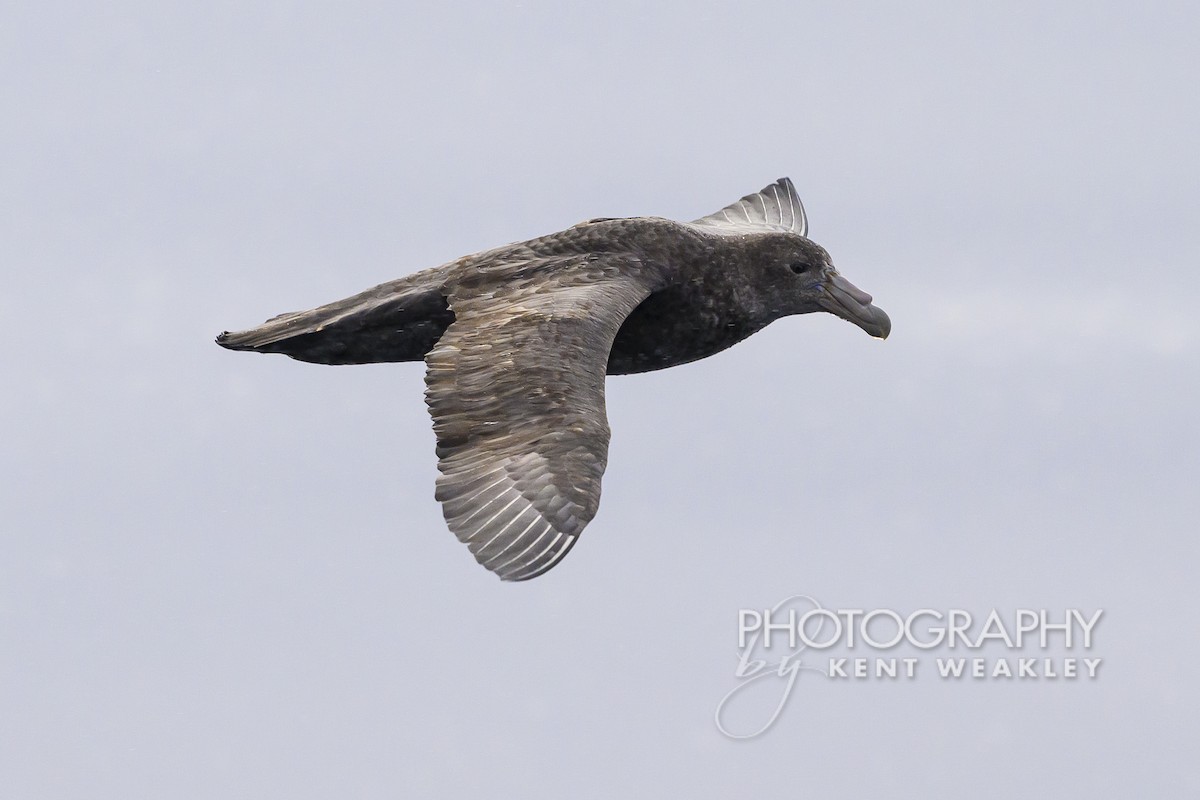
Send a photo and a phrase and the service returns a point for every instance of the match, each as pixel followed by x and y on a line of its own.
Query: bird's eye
pixel 798 267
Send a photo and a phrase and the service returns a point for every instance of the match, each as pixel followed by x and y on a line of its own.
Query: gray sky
pixel 225 575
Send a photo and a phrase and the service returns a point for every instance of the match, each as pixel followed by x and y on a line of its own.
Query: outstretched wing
pixel 394 321
pixel 516 391
pixel 777 207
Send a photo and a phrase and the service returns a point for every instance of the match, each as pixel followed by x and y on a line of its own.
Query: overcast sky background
pixel 224 575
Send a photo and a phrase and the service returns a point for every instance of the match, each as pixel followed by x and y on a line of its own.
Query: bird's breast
pixel 675 326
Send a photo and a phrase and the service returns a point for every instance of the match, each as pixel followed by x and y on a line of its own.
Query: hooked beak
pixel 843 298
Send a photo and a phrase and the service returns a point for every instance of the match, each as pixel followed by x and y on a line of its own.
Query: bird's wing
pixel 516 391
pixel 777 207
pixel 394 321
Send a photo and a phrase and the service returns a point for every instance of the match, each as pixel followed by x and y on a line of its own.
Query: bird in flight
pixel 517 342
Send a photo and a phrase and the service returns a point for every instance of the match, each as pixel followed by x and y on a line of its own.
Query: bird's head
pixel 798 277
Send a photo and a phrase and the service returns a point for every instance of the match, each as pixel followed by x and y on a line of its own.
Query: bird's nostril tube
pixel 855 293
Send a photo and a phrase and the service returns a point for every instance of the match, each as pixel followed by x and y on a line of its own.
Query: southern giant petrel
pixel 517 342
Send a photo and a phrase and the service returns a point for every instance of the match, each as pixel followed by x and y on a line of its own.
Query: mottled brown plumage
pixel 518 340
